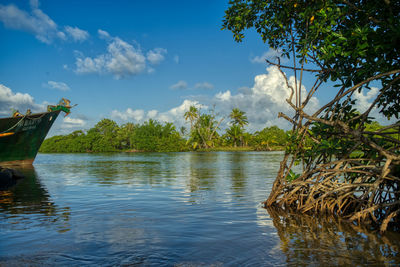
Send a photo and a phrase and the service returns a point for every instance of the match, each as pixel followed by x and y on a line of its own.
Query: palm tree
pixel 192 114
pixel 234 133
pixel 203 128
pixel 239 119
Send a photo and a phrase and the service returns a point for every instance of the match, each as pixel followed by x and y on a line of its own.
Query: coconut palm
pixel 234 133
pixel 191 115
pixel 238 117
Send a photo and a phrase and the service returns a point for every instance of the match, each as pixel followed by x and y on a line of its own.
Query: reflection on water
pixel 203 169
pixel 168 209
pixel 309 240
pixel 28 198
pixel 238 169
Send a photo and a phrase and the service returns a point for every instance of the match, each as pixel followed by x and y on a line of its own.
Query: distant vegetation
pixel 153 136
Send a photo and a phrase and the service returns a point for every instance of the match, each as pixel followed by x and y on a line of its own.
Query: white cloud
pixel 271 53
pixel 176 59
pixel 364 100
pixel 203 85
pixel 18 101
pixel 124 59
pixel 175 115
pixel 37 22
pixel 90 65
pixel 156 56
pixel 103 34
pixel 226 96
pixel 129 114
pixel 152 114
pixel 76 33
pixel 179 85
pixel 57 85
pixel 261 102
pixel 69 123
pixel 121 59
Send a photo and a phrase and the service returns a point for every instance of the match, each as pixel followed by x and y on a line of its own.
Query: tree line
pixel 154 136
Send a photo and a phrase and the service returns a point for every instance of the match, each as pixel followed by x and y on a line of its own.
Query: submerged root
pixel 348 168
pixel 371 198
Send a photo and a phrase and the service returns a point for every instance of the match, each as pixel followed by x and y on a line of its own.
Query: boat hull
pixel 21 137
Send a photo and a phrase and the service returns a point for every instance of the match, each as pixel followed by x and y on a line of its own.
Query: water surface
pixel 169 209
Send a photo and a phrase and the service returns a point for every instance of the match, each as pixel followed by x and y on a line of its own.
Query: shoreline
pixel 214 149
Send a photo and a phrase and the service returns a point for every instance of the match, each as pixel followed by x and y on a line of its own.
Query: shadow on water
pixel 238 171
pixel 329 241
pixel 203 171
pixel 28 197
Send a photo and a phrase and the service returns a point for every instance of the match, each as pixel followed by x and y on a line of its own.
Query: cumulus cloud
pixel 156 56
pixel 175 115
pixel 179 85
pixel 90 65
pixel 364 100
pixel 182 85
pixel 37 23
pixel 76 34
pixel 121 59
pixel 129 114
pixel 57 85
pixel 17 101
pixel 271 53
pixel 70 123
pixel 176 59
pixel 103 34
pixel 261 102
pixel 203 85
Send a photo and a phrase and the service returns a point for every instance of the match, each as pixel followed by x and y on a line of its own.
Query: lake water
pixel 170 209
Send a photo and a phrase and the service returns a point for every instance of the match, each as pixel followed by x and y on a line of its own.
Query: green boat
pixel 22 135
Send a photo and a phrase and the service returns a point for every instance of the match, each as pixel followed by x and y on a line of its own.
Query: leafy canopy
pixel 350 41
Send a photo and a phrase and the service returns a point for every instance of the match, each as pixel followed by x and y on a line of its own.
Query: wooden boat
pixel 22 135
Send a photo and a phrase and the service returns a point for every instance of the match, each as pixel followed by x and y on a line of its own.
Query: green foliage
pixel 107 136
pixel 153 136
pixel 235 134
pixel 350 41
pixel 238 117
pixel 268 137
pixel 204 128
pixel 74 142
pixel 292 176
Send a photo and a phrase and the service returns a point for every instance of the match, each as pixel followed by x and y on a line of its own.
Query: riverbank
pixel 211 149
pixel 239 149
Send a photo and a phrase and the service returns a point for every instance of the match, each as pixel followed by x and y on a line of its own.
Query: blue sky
pixel 134 60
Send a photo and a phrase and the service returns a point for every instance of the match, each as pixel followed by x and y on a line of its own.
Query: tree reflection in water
pixel 31 201
pixel 203 170
pixel 237 168
pixel 309 240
